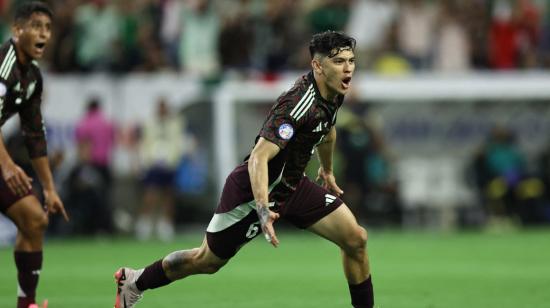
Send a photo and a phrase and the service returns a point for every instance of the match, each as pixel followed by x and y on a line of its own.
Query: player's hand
pixel 329 181
pixel 17 180
pixel 54 203
pixel 267 218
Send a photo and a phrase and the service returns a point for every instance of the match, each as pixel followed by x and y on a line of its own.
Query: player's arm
pixel 262 153
pixel 16 179
pixel 325 152
pixel 35 141
pixel 54 204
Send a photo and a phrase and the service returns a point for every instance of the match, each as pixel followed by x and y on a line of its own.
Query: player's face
pixel 338 71
pixel 33 35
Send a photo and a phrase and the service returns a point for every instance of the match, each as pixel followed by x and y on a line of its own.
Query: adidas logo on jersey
pixel 319 127
pixel 329 199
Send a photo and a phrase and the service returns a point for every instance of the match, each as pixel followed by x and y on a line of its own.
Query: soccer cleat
pixel 44 305
pixel 127 294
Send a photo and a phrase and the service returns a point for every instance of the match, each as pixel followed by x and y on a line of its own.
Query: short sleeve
pixel 279 127
pixel 32 124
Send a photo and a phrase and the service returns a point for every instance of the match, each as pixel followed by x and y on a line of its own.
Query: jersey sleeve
pixel 32 124
pixel 280 126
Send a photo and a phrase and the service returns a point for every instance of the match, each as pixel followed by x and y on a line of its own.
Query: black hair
pixel 330 43
pixel 25 10
pixel 94 104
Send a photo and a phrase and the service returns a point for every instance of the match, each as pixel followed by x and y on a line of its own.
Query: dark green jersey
pixel 21 93
pixel 298 121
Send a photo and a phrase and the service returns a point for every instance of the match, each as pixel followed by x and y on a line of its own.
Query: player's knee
pixel 36 226
pixel 357 241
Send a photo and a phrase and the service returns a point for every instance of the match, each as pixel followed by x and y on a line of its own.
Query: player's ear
pixel 16 30
pixel 316 65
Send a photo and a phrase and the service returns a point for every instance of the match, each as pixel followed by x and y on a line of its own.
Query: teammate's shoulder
pixel 8 58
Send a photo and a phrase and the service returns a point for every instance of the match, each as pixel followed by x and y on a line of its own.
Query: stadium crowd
pixel 261 38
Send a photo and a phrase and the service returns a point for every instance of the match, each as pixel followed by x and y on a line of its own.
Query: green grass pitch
pixel 410 269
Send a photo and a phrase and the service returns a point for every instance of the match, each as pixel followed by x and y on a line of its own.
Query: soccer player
pixel 21 92
pixel 271 184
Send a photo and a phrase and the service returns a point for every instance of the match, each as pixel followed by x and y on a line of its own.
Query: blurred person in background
pixel 500 169
pixel 95 138
pixel 503 44
pixel 370 182
pixel 276 37
pixel 162 147
pixel 238 26
pixel 198 50
pixel 97 27
pixel 370 22
pixel 21 93
pixel 416 31
pixel 270 184
pixel 86 196
pixel 452 46
pixel 62 54
pixel 329 15
pixel 389 61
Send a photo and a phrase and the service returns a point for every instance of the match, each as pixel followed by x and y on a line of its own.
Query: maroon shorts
pixel 7 198
pixel 235 221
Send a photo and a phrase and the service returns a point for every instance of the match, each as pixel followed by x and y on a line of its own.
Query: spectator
pixel 329 15
pixel 499 168
pixel 452 49
pixel 97 24
pixel 370 22
pixel 415 30
pixel 503 38
pixel 86 196
pixel 95 137
pixel 198 51
pixel 237 27
pixel 162 147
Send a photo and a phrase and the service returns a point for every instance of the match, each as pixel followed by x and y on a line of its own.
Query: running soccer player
pixel 21 92
pixel 271 184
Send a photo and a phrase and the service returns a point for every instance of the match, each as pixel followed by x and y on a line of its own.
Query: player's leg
pixel 323 213
pixel 175 266
pixel 31 221
pixel 234 224
pixel 341 228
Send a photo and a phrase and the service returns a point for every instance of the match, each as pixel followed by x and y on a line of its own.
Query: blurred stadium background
pixel 444 144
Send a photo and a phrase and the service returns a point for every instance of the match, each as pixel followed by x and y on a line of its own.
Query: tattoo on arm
pixel 263 214
pixel 176 264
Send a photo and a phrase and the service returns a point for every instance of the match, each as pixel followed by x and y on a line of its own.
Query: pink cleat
pixel 127 294
pixel 44 305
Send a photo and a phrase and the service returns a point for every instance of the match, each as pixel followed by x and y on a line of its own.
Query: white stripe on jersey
pixel 222 221
pixel 306 107
pixel 309 93
pixel 6 63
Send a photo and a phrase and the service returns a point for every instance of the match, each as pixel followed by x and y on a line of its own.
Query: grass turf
pixel 410 269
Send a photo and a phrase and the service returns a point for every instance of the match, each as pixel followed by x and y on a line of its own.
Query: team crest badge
pixel 286 131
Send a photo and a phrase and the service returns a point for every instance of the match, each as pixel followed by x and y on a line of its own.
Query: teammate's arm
pixel 258 172
pixel 325 152
pixel 53 203
pixel 35 141
pixel 16 179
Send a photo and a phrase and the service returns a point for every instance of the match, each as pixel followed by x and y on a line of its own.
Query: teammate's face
pixel 33 34
pixel 338 70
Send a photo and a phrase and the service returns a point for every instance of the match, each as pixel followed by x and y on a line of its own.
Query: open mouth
pixel 40 46
pixel 346 82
